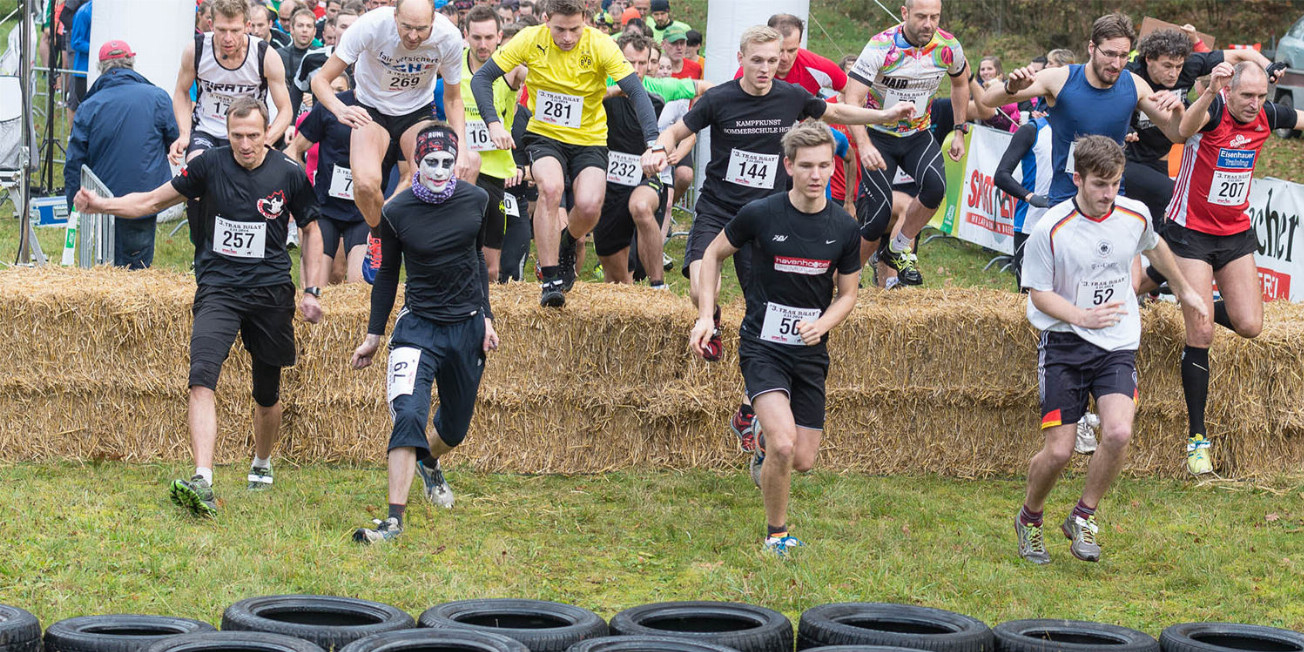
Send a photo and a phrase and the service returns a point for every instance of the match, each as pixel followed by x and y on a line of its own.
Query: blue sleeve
pixel 840 150
pixel 166 120
pixel 81 30
pixel 77 146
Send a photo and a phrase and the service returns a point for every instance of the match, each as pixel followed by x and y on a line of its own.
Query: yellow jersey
pixel 496 163
pixel 566 88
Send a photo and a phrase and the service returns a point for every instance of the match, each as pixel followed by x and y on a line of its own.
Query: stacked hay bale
pixel 939 381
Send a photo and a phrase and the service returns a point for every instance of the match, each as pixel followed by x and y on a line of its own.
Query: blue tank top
pixel 1084 110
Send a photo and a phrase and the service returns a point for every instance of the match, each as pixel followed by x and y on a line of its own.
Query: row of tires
pixel 307 623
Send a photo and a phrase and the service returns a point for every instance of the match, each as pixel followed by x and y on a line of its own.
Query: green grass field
pixel 102 538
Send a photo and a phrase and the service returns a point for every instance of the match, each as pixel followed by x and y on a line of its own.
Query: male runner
pixel 399 52
pixel 340 218
pixel 433 232
pixel 1078 271
pixel 1209 231
pixel 747 118
pixel 568 65
pixel 905 64
pixel 1098 97
pixel 634 201
pixel 1029 149
pixel 802 245
pixel 1164 61
pixel 245 195
pixel 800 66
pixel 483 31
pixel 226 64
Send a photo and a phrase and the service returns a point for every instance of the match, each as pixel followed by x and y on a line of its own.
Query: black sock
pixel 1220 315
pixel 1155 276
pixel 428 459
pixel 551 271
pixel 772 531
pixel 396 512
pixel 1195 386
pixel 745 410
pixel 566 238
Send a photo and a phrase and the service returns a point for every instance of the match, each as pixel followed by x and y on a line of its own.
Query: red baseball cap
pixel 115 50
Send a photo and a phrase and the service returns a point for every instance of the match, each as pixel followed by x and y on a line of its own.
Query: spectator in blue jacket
pixel 122 132
pixel 79 42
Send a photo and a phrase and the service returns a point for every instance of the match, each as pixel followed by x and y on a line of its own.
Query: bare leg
pixel 267 426
pixel 202 415
pixel 1116 413
pixel 643 204
pixel 1048 463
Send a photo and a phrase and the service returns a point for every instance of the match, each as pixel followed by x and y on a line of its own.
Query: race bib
pixel 216 104
pixel 401 81
pixel 780 323
pixel 510 207
pixel 1068 164
pixel 918 98
pixel 901 177
pixel 752 170
pixel 1231 178
pixel 558 109
pixel 477 133
pixel 239 239
pixel 624 169
pixel 1098 292
pixel 401 376
pixel 341 183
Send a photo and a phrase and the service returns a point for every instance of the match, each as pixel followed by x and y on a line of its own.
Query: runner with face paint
pixel 445 329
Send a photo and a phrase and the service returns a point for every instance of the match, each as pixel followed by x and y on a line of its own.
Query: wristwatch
pixel 654 146
pixel 963 128
pixel 313 290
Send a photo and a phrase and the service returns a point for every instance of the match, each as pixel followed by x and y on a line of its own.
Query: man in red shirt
pixel 1208 229
pixel 800 66
pixel 676 45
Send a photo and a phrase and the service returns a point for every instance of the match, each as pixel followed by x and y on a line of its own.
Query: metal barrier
pixel 94 230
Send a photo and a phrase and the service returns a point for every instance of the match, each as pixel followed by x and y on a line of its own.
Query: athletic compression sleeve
pixel 385 288
pixel 1023 141
pixel 484 274
pixel 647 116
pixel 482 89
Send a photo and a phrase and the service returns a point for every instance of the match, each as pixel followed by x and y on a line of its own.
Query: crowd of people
pixel 440 138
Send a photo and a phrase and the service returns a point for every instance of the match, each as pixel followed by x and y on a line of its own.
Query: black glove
pixel 1040 201
pixel 1274 70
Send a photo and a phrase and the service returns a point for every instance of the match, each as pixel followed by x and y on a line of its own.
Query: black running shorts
pixel 1070 368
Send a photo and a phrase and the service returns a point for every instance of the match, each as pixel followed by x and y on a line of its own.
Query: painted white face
pixel 437 169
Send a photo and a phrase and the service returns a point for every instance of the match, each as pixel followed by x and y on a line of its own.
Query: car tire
pixel 117 632
pixel 234 641
pixel 878 623
pixel 1044 635
pixel 20 631
pixel 744 627
pixel 1217 637
pixel 330 622
pixel 646 644
pixel 541 625
pixel 456 639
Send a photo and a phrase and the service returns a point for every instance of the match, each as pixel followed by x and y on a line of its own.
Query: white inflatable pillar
pixel 156 30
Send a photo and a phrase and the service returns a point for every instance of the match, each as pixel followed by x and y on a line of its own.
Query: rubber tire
pixel 458 639
pixel 548 626
pixel 97 633
pixel 1187 637
pixel 770 631
pixel 1022 636
pixel 908 626
pixel 861 648
pixel 234 641
pixel 20 631
pixel 646 644
pixel 253 615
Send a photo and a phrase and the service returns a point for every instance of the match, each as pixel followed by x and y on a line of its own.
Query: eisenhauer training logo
pixel 272 205
pixel 1239 140
pixel 807 266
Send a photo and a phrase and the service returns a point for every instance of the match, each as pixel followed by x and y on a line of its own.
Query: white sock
pixel 206 474
pixel 262 463
pixel 900 243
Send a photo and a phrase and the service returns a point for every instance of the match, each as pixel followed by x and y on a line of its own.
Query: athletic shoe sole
pixel 186 498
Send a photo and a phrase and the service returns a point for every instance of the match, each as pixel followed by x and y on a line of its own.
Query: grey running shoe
pixel 195 495
pixel 1032 545
pixel 1086 439
pixel 384 531
pixel 260 477
pixel 758 459
pixel 1082 532
pixel 437 489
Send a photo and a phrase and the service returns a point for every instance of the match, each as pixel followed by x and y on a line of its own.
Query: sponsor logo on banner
pixel 987 213
pixel 800 265
pixel 1274 211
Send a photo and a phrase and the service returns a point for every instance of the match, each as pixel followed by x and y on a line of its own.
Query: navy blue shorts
pixel 1070 368
pixel 426 356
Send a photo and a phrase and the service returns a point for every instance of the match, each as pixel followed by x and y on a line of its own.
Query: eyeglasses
pixel 1111 55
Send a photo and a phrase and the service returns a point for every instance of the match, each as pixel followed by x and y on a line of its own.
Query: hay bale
pixel 97 370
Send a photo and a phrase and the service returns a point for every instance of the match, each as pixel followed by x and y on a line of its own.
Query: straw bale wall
pixel 938 381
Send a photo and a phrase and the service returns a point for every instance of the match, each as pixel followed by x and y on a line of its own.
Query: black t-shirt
pixel 1152 144
pixel 794 256
pixel 1279 117
pixel 332 136
pixel 243 216
pixel 447 281
pixel 746 131
pixel 624 131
